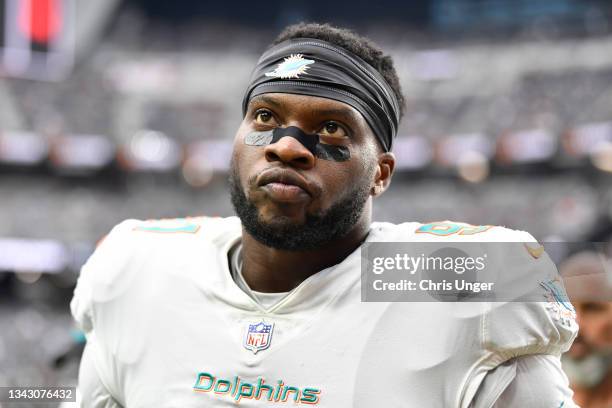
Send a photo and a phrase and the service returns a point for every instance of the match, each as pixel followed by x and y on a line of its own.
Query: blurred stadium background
pixel 112 110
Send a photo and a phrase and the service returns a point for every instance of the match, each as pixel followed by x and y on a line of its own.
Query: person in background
pixel 588 363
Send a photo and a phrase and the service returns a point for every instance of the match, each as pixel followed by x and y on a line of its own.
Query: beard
pixel 316 231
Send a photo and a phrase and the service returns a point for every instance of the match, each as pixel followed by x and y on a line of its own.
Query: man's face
pixel 595 320
pixel 285 196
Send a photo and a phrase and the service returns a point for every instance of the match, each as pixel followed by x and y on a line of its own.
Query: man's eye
pixel 263 116
pixel 594 307
pixel 333 129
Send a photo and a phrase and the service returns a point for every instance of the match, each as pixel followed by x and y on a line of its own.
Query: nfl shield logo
pixel 258 337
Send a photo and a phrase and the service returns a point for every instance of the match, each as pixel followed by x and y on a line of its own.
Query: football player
pixel 264 309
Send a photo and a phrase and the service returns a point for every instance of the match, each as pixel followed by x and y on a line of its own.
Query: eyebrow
pixel 346 114
pixel 268 100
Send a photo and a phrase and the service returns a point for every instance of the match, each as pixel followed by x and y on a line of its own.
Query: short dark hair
pixel 353 42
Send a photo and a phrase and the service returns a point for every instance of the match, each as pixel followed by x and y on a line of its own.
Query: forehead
pixel 313 105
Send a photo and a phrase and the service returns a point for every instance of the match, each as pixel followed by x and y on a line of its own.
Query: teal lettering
pixel 225 384
pixel 289 389
pixel 310 396
pixel 245 390
pixel 261 386
pixel 201 377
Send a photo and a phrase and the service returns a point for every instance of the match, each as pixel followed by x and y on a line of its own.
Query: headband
pixel 314 67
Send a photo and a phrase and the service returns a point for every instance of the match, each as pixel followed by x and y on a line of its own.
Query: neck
pixel 267 269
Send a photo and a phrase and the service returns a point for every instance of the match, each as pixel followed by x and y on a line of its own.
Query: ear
pixel 384 172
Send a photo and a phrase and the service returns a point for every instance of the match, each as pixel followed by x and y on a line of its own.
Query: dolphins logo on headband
pixel 292 67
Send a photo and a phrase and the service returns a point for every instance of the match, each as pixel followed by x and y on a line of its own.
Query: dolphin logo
pixel 292 67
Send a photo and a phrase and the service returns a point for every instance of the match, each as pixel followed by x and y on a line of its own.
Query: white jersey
pixel 167 326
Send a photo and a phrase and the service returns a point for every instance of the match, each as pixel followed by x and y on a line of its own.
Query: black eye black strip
pixel 333 153
pixel 310 142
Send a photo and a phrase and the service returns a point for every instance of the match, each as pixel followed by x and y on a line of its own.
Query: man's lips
pixel 284 185
pixel 286 193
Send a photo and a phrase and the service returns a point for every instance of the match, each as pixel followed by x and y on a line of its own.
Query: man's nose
pixel 290 151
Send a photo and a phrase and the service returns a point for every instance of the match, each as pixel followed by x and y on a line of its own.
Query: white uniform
pixel 167 326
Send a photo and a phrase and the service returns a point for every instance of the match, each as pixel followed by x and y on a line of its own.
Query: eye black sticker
pixel 310 142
